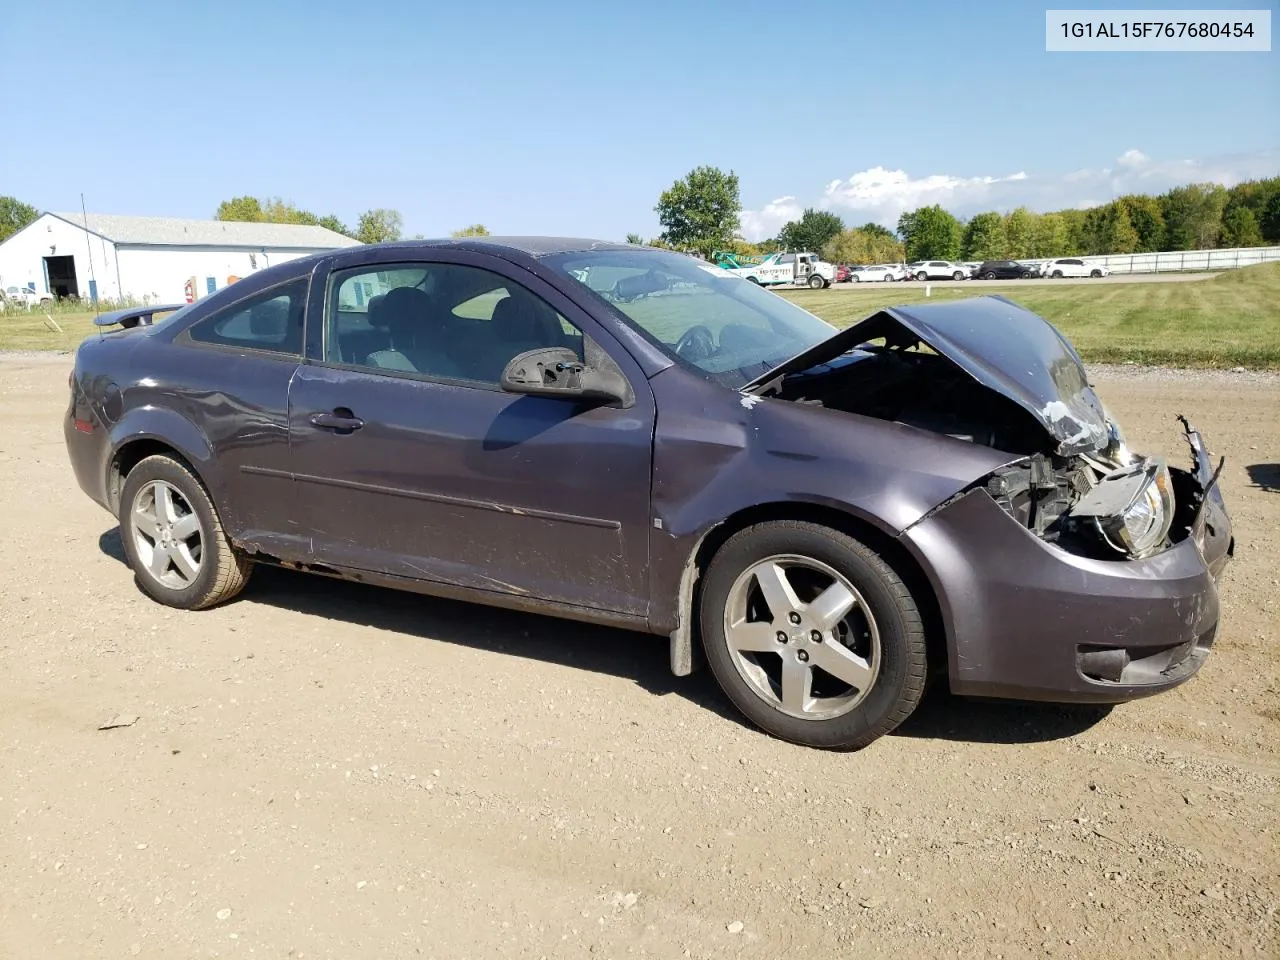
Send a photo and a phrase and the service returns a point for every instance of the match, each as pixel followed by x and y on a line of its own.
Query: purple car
pixel 827 518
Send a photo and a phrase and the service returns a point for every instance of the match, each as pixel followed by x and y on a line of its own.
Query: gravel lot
pixel 327 770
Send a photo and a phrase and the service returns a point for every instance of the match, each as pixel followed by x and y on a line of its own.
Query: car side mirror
pixel 557 372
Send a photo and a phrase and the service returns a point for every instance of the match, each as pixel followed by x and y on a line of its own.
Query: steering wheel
pixel 696 343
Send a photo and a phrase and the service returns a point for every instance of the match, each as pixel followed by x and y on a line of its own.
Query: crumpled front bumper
pixel 1028 620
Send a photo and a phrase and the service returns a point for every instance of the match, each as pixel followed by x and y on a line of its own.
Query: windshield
pixel 727 328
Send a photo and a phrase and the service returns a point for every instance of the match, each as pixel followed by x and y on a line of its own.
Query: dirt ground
pixel 329 770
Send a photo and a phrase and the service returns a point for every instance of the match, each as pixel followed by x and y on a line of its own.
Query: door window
pixel 438 320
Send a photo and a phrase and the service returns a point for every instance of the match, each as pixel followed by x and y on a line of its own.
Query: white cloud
pixel 758 224
pixel 882 195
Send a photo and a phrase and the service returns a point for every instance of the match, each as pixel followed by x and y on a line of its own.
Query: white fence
pixel 1184 260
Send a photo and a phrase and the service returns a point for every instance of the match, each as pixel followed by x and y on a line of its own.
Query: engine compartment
pixel 923 390
pixel 917 387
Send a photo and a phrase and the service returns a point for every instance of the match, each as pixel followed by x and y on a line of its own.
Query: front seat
pixel 409 316
pixel 519 323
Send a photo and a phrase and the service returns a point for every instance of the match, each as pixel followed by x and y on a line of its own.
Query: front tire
pixel 957 276
pixel 922 276
pixel 1096 274
pixel 812 635
pixel 816 282
pixel 173 539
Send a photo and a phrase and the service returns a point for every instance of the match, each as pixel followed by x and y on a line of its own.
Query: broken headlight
pixel 1117 452
pixel 1131 509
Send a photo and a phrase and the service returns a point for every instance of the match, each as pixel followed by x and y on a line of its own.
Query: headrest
pixel 374 308
pixel 518 317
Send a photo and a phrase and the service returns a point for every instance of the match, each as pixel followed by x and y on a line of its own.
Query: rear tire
pixel 173 539
pixel 874 639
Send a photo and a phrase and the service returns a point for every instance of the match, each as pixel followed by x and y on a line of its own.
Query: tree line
pixel 374 226
pixel 1197 216
pixel 702 212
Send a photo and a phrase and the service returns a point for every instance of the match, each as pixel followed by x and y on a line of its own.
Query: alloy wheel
pixel 167 535
pixel 802 637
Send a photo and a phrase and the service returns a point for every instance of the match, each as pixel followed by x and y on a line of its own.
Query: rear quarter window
pixel 269 321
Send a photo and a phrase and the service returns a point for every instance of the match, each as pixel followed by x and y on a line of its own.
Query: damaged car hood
pixel 1003 346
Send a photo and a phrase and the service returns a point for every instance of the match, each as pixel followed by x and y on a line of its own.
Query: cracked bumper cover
pixel 1027 620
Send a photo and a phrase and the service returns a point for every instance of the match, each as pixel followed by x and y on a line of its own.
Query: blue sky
pixel 571 117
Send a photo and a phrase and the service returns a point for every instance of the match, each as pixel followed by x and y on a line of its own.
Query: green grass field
pixel 1231 320
pixel 1228 321
pixel 34 329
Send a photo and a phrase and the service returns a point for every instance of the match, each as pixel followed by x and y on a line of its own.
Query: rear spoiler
pixel 135 316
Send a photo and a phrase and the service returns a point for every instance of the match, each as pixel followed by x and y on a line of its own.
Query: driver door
pixel 410 460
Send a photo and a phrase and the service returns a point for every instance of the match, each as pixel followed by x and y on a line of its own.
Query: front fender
pixel 718 453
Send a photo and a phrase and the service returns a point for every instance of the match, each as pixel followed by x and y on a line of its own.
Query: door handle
pixel 340 420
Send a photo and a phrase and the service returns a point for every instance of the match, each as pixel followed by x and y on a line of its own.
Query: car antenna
pixel 93 283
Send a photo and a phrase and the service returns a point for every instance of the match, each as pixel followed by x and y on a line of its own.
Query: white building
pixel 149 259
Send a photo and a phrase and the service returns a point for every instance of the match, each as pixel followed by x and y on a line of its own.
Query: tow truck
pixel 779 269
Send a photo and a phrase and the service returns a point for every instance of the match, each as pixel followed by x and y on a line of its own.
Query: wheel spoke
pixel 777 591
pixel 145 523
pixel 185 564
pixel 797 684
pixel 186 527
pixel 159 564
pixel 843 664
pixel 165 510
pixel 753 637
pixel 832 605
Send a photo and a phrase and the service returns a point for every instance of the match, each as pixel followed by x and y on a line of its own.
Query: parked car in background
pixel 844 273
pixel 1002 270
pixel 899 270
pixel 626 436
pixel 940 270
pixel 1072 267
pixel 24 297
pixel 874 273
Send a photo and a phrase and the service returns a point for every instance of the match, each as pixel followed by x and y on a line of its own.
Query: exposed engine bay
pixel 1106 503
